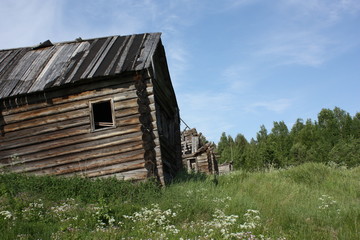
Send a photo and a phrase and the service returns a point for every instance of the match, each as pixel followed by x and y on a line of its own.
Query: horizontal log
pixel 138 174
pixel 81 159
pixel 97 142
pixel 46 120
pixel 129 103
pixel 102 163
pixel 122 123
pixel 120 113
pixel 44 112
pixel 126 121
pixel 39 139
pixel 42 129
pixel 121 101
pixel 117 168
pixel 120 89
pixel 85 167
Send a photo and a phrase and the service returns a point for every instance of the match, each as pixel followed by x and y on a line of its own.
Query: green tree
pixel 279 142
pixel 223 143
pixel 239 147
pixel 346 152
pixel 355 126
pixel 225 148
pixel 262 135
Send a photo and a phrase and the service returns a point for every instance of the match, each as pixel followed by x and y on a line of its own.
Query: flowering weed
pixel 153 220
pixel 35 211
pixel 328 205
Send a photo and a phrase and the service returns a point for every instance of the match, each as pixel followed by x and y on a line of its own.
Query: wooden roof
pixel 35 69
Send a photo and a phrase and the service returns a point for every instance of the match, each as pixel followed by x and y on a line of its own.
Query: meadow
pixel 309 201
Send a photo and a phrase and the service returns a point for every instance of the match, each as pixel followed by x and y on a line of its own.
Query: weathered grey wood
pixel 7 84
pixel 23 65
pixel 120 103
pixel 123 56
pixel 79 159
pixel 138 57
pixel 102 54
pixel 46 110
pixel 43 129
pixel 77 148
pixel 126 104
pixel 149 47
pixel 28 78
pixel 119 92
pixel 52 73
pixel 138 174
pixel 202 154
pixel 39 139
pixel 7 87
pixel 126 112
pixel 64 141
pixel 95 59
pixel 3 56
pixel 94 165
pixel 49 71
pixel 50 119
pixel 116 57
pixel 117 168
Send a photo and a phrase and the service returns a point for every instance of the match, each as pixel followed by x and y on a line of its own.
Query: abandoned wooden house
pixel 197 155
pixel 96 108
pixel 226 167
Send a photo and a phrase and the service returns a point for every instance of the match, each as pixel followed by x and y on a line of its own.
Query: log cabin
pixel 197 155
pixel 102 107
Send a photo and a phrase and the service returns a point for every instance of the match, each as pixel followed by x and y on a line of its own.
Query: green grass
pixel 310 201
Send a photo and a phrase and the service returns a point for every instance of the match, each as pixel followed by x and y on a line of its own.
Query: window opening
pixel 102 115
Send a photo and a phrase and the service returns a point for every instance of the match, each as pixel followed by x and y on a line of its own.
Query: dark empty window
pixel 102 115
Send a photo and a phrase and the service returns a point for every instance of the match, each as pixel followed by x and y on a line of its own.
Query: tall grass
pixel 310 201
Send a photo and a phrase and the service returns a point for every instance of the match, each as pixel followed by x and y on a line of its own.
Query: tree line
pixel 333 138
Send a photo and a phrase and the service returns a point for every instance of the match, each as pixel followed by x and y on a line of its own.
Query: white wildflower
pixel 7 215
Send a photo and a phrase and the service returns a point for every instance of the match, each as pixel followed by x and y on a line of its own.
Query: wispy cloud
pixel 277 105
pixel 236 76
pixel 304 48
pixel 325 11
pixel 27 22
pixel 305 36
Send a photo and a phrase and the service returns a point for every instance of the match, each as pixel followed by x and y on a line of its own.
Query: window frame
pixel 92 116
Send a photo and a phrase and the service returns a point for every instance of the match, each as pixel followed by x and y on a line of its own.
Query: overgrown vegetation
pixel 310 201
pixel 334 137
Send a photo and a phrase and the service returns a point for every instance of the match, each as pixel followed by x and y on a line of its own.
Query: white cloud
pixel 305 37
pixel 304 48
pixel 26 23
pixel 237 77
pixel 320 13
pixel 277 106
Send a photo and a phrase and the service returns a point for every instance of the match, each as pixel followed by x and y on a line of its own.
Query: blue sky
pixel 235 64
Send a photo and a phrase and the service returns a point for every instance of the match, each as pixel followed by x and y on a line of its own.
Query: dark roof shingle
pixel 28 70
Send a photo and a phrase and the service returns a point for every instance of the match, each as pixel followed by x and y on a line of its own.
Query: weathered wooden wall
pixel 167 127
pixel 54 137
pixel 45 115
pixel 196 155
pixel 225 168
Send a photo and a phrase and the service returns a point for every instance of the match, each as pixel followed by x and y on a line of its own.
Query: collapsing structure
pixel 197 155
pixel 97 108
